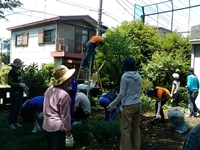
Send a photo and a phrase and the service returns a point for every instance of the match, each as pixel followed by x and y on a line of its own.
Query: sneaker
pixel 196 114
pixel 18 125
pixel 77 122
pixel 12 126
pixel 36 129
pixel 190 115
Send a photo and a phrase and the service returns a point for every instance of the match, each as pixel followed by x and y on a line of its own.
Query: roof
pixel 86 18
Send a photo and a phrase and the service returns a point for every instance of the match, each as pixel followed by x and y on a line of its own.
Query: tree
pixel 8 4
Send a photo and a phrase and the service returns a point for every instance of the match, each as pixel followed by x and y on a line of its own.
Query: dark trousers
pixel 79 114
pixel 90 52
pixel 55 140
pixel 16 97
pixel 163 101
pixel 175 99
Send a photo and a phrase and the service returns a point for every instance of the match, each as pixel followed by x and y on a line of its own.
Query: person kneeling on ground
pixel 32 110
pixel 161 95
pixel 82 108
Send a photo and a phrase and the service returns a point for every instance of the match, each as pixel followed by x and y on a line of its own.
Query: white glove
pixel 111 107
pixel 171 95
pixel 22 85
pixel 69 141
pixel 149 101
pixel 157 116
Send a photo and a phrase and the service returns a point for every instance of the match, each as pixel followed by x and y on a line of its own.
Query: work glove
pixel 69 141
pixel 157 116
pixel 111 107
pixel 23 85
pixel 149 101
pixel 171 95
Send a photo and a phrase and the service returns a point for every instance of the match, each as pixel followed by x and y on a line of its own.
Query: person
pixel 193 91
pixel 90 50
pixel 72 89
pixel 32 109
pixel 82 108
pixel 175 90
pixel 16 92
pixel 192 140
pixel 56 111
pixel 129 96
pixel 161 95
pixel 104 101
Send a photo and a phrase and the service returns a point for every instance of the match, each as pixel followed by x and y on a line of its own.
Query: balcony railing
pixel 68 45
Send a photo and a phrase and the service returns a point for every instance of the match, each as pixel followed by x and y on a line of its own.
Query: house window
pixel 80 36
pixel 21 40
pixel 46 36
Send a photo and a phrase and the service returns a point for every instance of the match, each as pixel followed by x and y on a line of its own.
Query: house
pixel 161 30
pixel 195 61
pixel 58 40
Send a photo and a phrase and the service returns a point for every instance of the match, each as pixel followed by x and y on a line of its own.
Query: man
pixel 82 108
pixel 193 91
pixel 161 95
pixel 90 50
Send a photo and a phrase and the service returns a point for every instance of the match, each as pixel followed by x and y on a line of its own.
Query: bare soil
pixel 160 136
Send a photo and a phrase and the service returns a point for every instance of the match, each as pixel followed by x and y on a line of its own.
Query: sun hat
pixel 175 75
pixel 128 64
pixel 61 74
pixel 17 63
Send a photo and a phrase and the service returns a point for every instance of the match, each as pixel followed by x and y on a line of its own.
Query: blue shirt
pixel 192 141
pixel 36 103
pixel 192 84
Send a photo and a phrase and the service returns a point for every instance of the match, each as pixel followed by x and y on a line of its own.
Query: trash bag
pixel 177 120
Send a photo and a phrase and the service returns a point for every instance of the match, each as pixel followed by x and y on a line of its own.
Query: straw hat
pixel 17 63
pixel 61 74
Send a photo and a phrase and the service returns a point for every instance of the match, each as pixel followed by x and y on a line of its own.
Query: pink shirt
pixel 56 110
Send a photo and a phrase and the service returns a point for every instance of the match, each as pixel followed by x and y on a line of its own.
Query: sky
pixel 114 12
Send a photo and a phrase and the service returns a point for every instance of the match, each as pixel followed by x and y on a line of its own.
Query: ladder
pixel 85 75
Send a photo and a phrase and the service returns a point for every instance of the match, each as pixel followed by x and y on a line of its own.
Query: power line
pixel 124 7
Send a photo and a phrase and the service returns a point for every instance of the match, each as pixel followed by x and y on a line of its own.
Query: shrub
pixel 4 74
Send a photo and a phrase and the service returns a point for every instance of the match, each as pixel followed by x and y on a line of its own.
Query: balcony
pixel 68 48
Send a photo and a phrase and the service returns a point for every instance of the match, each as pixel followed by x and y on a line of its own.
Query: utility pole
pixel 99 23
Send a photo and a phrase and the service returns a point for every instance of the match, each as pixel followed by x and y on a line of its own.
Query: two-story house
pixel 58 40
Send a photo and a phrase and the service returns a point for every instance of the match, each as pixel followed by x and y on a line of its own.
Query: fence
pixel 5 96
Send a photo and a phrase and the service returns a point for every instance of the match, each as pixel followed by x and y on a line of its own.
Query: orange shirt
pixel 161 92
pixel 96 39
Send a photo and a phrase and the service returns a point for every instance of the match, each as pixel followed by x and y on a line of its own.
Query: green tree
pixel 8 4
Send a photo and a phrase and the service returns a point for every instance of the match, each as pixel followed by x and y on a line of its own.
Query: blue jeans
pixel 90 52
pixel 191 100
pixel 104 102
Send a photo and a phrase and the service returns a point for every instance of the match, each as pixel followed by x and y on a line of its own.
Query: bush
pixel 4 74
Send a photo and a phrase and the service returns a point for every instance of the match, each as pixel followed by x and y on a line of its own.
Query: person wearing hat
pixel 161 95
pixel 16 92
pixel 193 91
pixel 56 111
pixel 175 90
pixel 129 96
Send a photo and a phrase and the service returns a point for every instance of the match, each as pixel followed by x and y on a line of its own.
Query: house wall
pixel 195 64
pixel 34 52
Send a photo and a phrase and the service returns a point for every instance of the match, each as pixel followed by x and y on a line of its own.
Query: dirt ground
pixel 160 136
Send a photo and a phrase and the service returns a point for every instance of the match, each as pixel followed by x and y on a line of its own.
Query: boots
pixel 36 127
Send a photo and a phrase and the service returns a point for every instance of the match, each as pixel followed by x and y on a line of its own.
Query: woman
pixel 16 92
pixel 129 95
pixel 56 111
